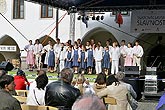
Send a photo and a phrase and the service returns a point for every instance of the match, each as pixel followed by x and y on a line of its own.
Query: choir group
pixel 85 58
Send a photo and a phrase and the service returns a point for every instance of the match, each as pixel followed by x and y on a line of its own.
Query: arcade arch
pixel 98 34
pixel 7 40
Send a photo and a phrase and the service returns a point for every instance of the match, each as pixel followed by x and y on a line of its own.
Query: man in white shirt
pixel 37 52
pixel 98 56
pixel 123 49
pixel 137 54
pixel 57 48
pixel 115 55
pixel 61 57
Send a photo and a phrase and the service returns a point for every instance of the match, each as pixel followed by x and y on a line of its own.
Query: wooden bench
pixel 33 107
pixel 23 93
pixel 21 99
pixel 109 100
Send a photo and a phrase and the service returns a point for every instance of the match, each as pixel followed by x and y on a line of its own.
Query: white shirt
pixel 138 51
pixel 61 54
pixel 57 48
pixel 98 54
pixel 40 96
pixel 123 49
pixel 37 48
pixel 115 53
pixel 29 48
pixel 129 52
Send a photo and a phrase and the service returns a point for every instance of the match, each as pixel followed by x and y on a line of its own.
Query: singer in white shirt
pixel 37 52
pixel 137 54
pixel 115 55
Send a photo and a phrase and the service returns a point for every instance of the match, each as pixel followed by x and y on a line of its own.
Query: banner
pixel 7 48
pixel 148 21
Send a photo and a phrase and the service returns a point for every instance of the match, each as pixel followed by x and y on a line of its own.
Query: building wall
pixel 33 27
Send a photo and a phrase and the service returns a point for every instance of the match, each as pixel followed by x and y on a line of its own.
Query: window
pixel 125 13
pixel 46 11
pixel 18 9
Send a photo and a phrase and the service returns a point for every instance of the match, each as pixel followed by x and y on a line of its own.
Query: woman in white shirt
pixel 129 55
pixel 36 95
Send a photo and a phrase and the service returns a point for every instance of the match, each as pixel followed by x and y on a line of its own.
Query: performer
pixel 106 60
pixel 83 59
pixel 98 56
pixel 108 44
pixel 137 54
pixel 123 49
pixel 30 55
pixel 129 55
pixel 90 59
pixel 46 50
pixel 75 58
pixel 51 59
pixel 115 55
pixel 87 45
pixel 57 48
pixel 61 57
pixel 68 57
pixel 37 52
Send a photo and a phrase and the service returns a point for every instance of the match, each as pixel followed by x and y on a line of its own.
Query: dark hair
pixel 111 79
pixel 6 79
pixel 101 79
pixel 20 72
pixel 37 40
pixel 42 81
pixel 67 75
pixel 2 73
pixel 123 41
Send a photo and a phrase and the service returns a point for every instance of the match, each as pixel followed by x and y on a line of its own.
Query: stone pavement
pixel 147 105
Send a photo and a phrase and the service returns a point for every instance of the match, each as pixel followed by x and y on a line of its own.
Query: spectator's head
pixel 20 73
pixel 120 75
pixel 111 79
pixel 67 75
pixel 88 102
pixel 2 73
pixel 80 79
pixel 42 81
pixel 40 72
pixel 7 83
pixel 101 79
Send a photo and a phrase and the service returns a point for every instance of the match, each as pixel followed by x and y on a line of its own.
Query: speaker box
pixel 132 70
pixel 7 66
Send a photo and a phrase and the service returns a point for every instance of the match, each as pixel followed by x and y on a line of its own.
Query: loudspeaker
pixel 7 66
pixel 132 70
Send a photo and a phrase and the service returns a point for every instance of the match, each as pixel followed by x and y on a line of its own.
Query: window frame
pixel 47 12
pixel 18 9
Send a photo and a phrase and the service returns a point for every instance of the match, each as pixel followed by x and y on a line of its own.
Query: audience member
pixel 33 84
pixel 20 80
pixel 36 95
pixel 83 85
pixel 88 102
pixel 2 72
pixel 120 76
pixel 60 93
pixel 7 101
pixel 161 104
pixel 116 90
pixel 100 83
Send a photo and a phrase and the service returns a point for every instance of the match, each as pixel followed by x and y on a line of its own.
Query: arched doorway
pixel 98 34
pixel 7 40
pixel 154 49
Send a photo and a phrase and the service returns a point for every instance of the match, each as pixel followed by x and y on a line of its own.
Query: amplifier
pixel 132 70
